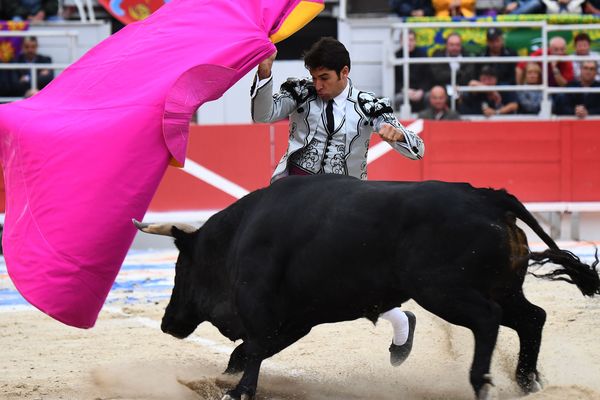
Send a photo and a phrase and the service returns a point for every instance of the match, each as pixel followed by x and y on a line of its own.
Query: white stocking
pixel 399 322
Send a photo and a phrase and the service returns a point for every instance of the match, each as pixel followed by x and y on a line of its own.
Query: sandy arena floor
pixel 125 356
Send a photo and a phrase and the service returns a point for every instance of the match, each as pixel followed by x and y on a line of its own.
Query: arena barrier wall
pixel 554 161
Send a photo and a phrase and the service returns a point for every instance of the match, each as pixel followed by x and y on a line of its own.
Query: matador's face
pixel 328 83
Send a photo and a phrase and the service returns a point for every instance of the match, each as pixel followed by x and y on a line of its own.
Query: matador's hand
pixel 390 134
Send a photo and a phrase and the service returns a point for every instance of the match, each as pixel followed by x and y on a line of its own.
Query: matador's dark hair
pixel 328 53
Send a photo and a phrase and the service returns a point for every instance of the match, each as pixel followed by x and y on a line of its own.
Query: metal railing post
pixel 405 109
pixel 343 4
pixel 546 105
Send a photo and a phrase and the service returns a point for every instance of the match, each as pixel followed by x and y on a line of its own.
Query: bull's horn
pixel 163 229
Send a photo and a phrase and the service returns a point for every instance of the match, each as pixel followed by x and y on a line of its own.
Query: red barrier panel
pixel 537 161
pixel 522 157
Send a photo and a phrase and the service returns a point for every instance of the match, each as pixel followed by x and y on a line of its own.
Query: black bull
pixel 313 250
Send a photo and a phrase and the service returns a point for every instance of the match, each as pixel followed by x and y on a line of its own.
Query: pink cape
pixel 86 154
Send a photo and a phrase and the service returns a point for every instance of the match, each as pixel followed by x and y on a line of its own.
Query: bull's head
pixel 183 313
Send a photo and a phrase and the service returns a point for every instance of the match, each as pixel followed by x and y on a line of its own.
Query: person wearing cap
pixel 495 48
pixel 488 103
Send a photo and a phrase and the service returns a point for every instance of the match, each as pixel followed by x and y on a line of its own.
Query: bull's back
pixel 336 239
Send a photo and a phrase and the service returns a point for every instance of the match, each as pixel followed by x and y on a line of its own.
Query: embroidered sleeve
pixel 299 89
pixel 375 107
pixel 269 107
pixel 379 111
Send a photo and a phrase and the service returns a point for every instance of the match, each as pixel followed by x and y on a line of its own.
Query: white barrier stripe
pixel 16 308
pixel 210 177
pixel 382 148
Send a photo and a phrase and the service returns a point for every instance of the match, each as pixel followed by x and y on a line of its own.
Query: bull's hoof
pixel 399 354
pixel 531 383
pixel 244 397
pixel 486 392
pixel 238 394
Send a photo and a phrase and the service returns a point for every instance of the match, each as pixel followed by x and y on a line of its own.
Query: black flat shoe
pixel 398 354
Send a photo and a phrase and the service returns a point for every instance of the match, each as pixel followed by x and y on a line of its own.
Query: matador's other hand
pixel 390 134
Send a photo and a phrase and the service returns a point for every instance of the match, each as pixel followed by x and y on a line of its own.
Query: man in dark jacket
pixel 438 106
pixel 488 103
pixel 442 73
pixel 419 77
pixel 30 55
pixel 580 104
pixel 495 48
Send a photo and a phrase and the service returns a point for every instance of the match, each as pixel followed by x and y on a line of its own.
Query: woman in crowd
pixel 530 100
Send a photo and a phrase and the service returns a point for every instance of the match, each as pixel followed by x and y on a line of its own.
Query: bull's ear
pixel 183 240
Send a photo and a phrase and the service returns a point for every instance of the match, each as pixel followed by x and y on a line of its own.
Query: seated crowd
pixel 470 8
pixel 430 83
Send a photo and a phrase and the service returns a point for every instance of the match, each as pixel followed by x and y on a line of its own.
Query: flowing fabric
pixel 86 154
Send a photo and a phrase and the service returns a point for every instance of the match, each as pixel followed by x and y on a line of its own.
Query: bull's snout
pixel 178 330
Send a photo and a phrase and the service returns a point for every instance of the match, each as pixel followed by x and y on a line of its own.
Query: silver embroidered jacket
pixel 346 150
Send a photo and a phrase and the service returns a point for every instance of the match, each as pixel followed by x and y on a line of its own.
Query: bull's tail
pixel 570 269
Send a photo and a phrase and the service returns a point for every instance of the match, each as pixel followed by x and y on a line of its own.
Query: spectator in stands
pixel 454 8
pixel 31 10
pixel 582 43
pixel 559 72
pixel 488 103
pixel 419 76
pixel 563 6
pixel 438 106
pixel 412 8
pixel 581 104
pixel 8 83
pixel 495 48
pixel 530 100
pixel 29 55
pixel 592 7
pixel 523 7
pixel 441 72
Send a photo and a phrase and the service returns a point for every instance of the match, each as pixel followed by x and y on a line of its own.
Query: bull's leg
pixel 254 353
pixel 246 387
pixel 528 321
pixel 469 308
pixel 237 360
